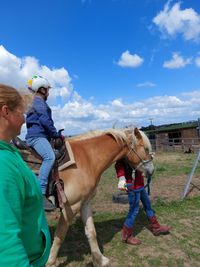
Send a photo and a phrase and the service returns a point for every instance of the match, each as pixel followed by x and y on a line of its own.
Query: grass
pixel 172 163
pixel 180 248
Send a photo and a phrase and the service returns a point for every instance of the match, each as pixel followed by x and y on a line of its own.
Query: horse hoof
pixel 100 260
pixel 105 262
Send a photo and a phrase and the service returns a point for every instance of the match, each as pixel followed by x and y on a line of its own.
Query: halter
pixel 132 150
pixel 142 162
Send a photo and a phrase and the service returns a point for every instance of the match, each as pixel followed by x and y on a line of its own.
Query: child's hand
pixel 122 183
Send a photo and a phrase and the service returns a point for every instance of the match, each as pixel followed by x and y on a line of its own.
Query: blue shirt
pixel 39 121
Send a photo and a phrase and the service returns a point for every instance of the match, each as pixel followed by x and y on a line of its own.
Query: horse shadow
pixel 76 246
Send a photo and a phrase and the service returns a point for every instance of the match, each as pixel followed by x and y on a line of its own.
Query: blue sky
pixel 109 61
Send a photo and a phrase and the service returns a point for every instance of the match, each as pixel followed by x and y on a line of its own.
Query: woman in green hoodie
pixel 24 234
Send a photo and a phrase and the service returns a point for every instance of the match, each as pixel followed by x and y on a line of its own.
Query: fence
pixel 187 145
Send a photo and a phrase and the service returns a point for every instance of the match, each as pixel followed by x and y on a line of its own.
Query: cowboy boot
pixel 127 236
pixel 156 228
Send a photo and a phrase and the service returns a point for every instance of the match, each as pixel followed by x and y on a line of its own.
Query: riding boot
pixel 47 204
pixel 127 236
pixel 156 228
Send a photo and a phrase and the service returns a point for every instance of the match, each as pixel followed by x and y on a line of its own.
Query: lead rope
pixel 148 185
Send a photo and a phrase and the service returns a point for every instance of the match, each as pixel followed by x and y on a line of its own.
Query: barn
pixel 183 136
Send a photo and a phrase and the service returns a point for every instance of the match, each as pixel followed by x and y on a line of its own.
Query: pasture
pixel 181 248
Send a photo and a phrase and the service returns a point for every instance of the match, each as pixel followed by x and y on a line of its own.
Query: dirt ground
pixel 163 189
pixel 172 188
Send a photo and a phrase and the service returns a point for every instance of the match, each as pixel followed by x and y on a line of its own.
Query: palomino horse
pixel 94 153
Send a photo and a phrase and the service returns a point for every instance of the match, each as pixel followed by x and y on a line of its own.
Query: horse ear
pixel 137 133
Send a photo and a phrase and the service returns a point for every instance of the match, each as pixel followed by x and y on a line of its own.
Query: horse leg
pixel 97 257
pixel 61 230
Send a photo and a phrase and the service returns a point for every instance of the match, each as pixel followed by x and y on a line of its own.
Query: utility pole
pixel 151 121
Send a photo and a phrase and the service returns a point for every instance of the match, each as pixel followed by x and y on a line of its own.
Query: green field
pixel 180 248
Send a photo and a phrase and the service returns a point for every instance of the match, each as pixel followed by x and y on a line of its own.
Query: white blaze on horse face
pixel 147 168
pixel 144 158
pixel 147 165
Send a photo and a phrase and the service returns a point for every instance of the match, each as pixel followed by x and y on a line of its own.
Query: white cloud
pixel 177 62
pixel 16 71
pixel 146 84
pixel 82 116
pixel 77 115
pixel 165 101
pixel 117 103
pixel 197 62
pixel 192 95
pixel 172 20
pixel 130 61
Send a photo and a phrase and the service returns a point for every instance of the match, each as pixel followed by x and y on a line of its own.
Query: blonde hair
pixel 12 98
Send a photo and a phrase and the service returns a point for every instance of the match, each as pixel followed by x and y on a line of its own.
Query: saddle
pixel 64 158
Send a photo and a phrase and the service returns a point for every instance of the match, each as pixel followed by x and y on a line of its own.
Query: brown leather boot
pixel 127 236
pixel 133 241
pixel 156 228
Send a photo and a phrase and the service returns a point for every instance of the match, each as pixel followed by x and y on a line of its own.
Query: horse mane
pixel 118 135
pixel 146 141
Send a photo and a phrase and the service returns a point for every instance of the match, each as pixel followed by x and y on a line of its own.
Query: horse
pixel 94 152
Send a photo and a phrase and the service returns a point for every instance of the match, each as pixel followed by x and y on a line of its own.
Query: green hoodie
pixel 24 234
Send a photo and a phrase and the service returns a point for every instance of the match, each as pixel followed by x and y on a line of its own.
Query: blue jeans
pixel 44 149
pixel 134 201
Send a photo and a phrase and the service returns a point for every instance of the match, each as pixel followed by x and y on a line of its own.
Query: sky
pixel 111 63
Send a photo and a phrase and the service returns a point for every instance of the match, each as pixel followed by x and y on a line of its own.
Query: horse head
pixel 139 153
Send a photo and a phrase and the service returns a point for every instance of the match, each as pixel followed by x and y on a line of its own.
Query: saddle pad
pixel 68 159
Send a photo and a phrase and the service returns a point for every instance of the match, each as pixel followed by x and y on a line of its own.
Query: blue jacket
pixel 39 121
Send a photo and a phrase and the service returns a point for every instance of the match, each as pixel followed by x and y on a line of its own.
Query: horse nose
pixel 150 170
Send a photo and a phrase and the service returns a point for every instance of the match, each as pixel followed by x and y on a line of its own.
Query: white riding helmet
pixel 36 82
